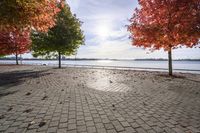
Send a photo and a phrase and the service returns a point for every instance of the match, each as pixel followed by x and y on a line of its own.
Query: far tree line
pixel 49 28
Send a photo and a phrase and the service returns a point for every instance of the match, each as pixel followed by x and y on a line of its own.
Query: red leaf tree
pixel 166 24
pixel 15 42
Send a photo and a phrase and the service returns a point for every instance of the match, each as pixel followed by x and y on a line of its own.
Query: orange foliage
pixel 166 24
pixel 19 17
pixel 27 14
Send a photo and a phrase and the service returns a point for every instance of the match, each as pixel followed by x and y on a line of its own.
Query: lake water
pixel 187 66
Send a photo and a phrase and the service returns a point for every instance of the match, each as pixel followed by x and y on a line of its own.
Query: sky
pixel 106 35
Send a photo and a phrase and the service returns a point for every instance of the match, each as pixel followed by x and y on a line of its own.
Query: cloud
pixel 106 34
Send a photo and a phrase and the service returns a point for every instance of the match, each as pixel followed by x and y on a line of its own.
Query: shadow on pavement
pixel 14 78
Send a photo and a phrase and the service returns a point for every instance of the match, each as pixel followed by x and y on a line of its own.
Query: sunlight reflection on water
pixel 104 61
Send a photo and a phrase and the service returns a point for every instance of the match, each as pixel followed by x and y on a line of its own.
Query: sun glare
pixel 103 31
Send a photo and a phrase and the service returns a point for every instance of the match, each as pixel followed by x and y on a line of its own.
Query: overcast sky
pixel 106 34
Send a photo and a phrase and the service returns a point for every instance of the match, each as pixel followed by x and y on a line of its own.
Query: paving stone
pixel 158 129
pixel 96 100
pixel 130 130
pixel 111 131
pixel 135 125
pixel 63 125
pixel 99 125
pixel 31 131
pixel 11 130
pixel 119 127
pixel 89 123
pixel 140 130
pixel 71 126
pixel 81 122
pixel 62 130
pixel 101 130
pixel 52 130
pixel 151 131
pixel 177 130
pixel 81 128
pixel 72 131
pixel 54 124
pixel 145 126
pixel 108 126
pixel 91 129
pixel 125 124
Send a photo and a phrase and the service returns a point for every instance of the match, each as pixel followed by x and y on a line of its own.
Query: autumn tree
pixel 167 24
pixel 63 39
pixel 18 17
pixel 28 14
pixel 15 42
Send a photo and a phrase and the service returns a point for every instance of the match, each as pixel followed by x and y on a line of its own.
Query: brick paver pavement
pixel 74 100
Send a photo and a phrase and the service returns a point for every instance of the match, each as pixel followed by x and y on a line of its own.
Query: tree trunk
pixel 17 63
pixel 170 62
pixel 59 58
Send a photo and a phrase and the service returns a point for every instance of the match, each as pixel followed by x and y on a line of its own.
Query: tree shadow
pixel 178 76
pixel 10 79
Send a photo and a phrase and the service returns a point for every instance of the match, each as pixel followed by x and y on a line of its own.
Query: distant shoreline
pixel 82 59
pixel 114 68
